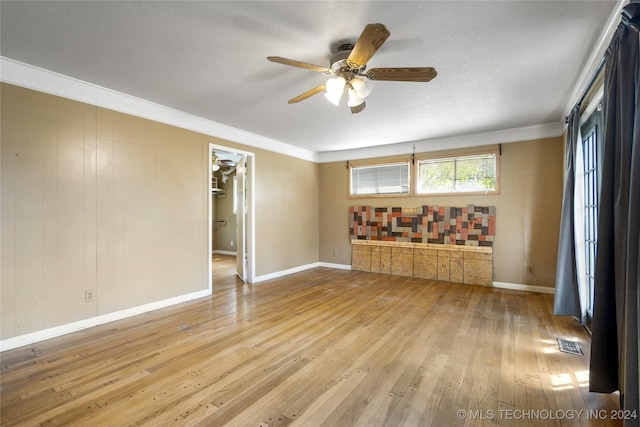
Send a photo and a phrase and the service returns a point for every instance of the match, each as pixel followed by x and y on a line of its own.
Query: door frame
pixel 250 219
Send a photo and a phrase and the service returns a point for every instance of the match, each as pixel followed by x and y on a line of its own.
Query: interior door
pixel 241 248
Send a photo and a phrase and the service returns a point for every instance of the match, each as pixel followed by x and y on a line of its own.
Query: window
pixel 588 167
pixel 462 174
pixel 591 189
pixel 382 179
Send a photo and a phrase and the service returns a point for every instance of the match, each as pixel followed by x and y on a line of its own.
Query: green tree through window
pixel 465 174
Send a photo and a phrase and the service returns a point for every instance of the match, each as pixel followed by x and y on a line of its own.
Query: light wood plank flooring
pixel 322 347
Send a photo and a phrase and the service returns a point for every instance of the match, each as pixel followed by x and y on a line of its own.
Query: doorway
pixel 230 214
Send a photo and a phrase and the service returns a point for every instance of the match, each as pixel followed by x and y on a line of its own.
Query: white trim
pixel 251 218
pixel 209 219
pixel 549 130
pixel 500 285
pixel 42 80
pixel 19 341
pixel 32 77
pixel 216 251
pixel 281 273
pixel 590 67
pixel 299 269
pixel 22 340
pixel 521 287
pixel 336 266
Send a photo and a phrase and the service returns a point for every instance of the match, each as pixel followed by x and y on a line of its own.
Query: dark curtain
pixel 566 300
pixel 614 347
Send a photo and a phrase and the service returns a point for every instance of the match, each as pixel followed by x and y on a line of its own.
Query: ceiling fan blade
pixel 372 37
pixel 404 74
pixel 358 108
pixel 300 64
pixel 307 94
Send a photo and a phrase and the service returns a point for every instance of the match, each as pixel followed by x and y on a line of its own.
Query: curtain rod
pixel 599 52
pixel 591 82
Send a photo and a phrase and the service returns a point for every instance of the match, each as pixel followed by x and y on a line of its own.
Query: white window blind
pixel 390 178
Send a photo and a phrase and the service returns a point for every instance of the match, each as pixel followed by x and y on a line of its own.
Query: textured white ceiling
pixel 501 64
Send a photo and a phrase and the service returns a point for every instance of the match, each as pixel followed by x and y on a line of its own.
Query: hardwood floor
pixel 223 268
pixel 321 347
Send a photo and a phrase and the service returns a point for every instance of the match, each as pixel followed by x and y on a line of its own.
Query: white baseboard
pixel 501 285
pixel 19 341
pixel 337 266
pixel 521 287
pixel 214 252
pixel 298 269
pixel 281 273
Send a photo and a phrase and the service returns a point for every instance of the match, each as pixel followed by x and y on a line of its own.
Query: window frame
pixel 591 129
pixel 496 153
pixel 591 202
pixel 373 164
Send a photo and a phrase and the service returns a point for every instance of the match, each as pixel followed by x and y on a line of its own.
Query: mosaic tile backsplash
pixel 469 226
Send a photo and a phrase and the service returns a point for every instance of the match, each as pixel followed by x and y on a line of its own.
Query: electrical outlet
pixel 530 270
pixel 232 243
pixel 89 295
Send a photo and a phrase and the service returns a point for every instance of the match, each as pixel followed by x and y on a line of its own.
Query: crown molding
pixel 592 63
pixel 529 133
pixel 42 80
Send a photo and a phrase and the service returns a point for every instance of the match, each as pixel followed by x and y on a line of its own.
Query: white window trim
pixel 495 191
pixel 408 193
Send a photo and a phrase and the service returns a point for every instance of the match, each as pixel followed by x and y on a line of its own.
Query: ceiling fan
pixel 347 66
pixel 217 162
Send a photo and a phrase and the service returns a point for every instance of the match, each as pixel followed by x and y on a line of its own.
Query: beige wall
pixel 287 212
pixel 98 200
pixel 528 211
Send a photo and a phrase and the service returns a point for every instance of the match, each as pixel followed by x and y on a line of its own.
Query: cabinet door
pixel 478 268
pixel 443 265
pixel 375 259
pixel 402 261
pixel 361 257
pixel 425 264
pixel 385 259
pixel 456 267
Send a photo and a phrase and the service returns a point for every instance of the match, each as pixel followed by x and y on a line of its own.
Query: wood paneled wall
pixel 99 201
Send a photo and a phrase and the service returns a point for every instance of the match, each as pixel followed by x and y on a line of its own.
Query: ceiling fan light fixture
pixel 354 99
pixel 362 86
pixel 334 98
pixel 335 89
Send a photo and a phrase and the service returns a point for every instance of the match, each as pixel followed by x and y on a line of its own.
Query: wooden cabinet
pixel 402 261
pixel 461 264
pixel 360 258
pixel 477 268
pixel 425 263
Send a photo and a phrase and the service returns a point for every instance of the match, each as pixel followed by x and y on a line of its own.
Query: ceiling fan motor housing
pixel 339 59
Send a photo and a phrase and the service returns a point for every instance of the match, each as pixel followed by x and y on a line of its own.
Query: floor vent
pixel 570 347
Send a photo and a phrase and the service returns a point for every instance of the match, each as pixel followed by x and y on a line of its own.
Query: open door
pixel 241 218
